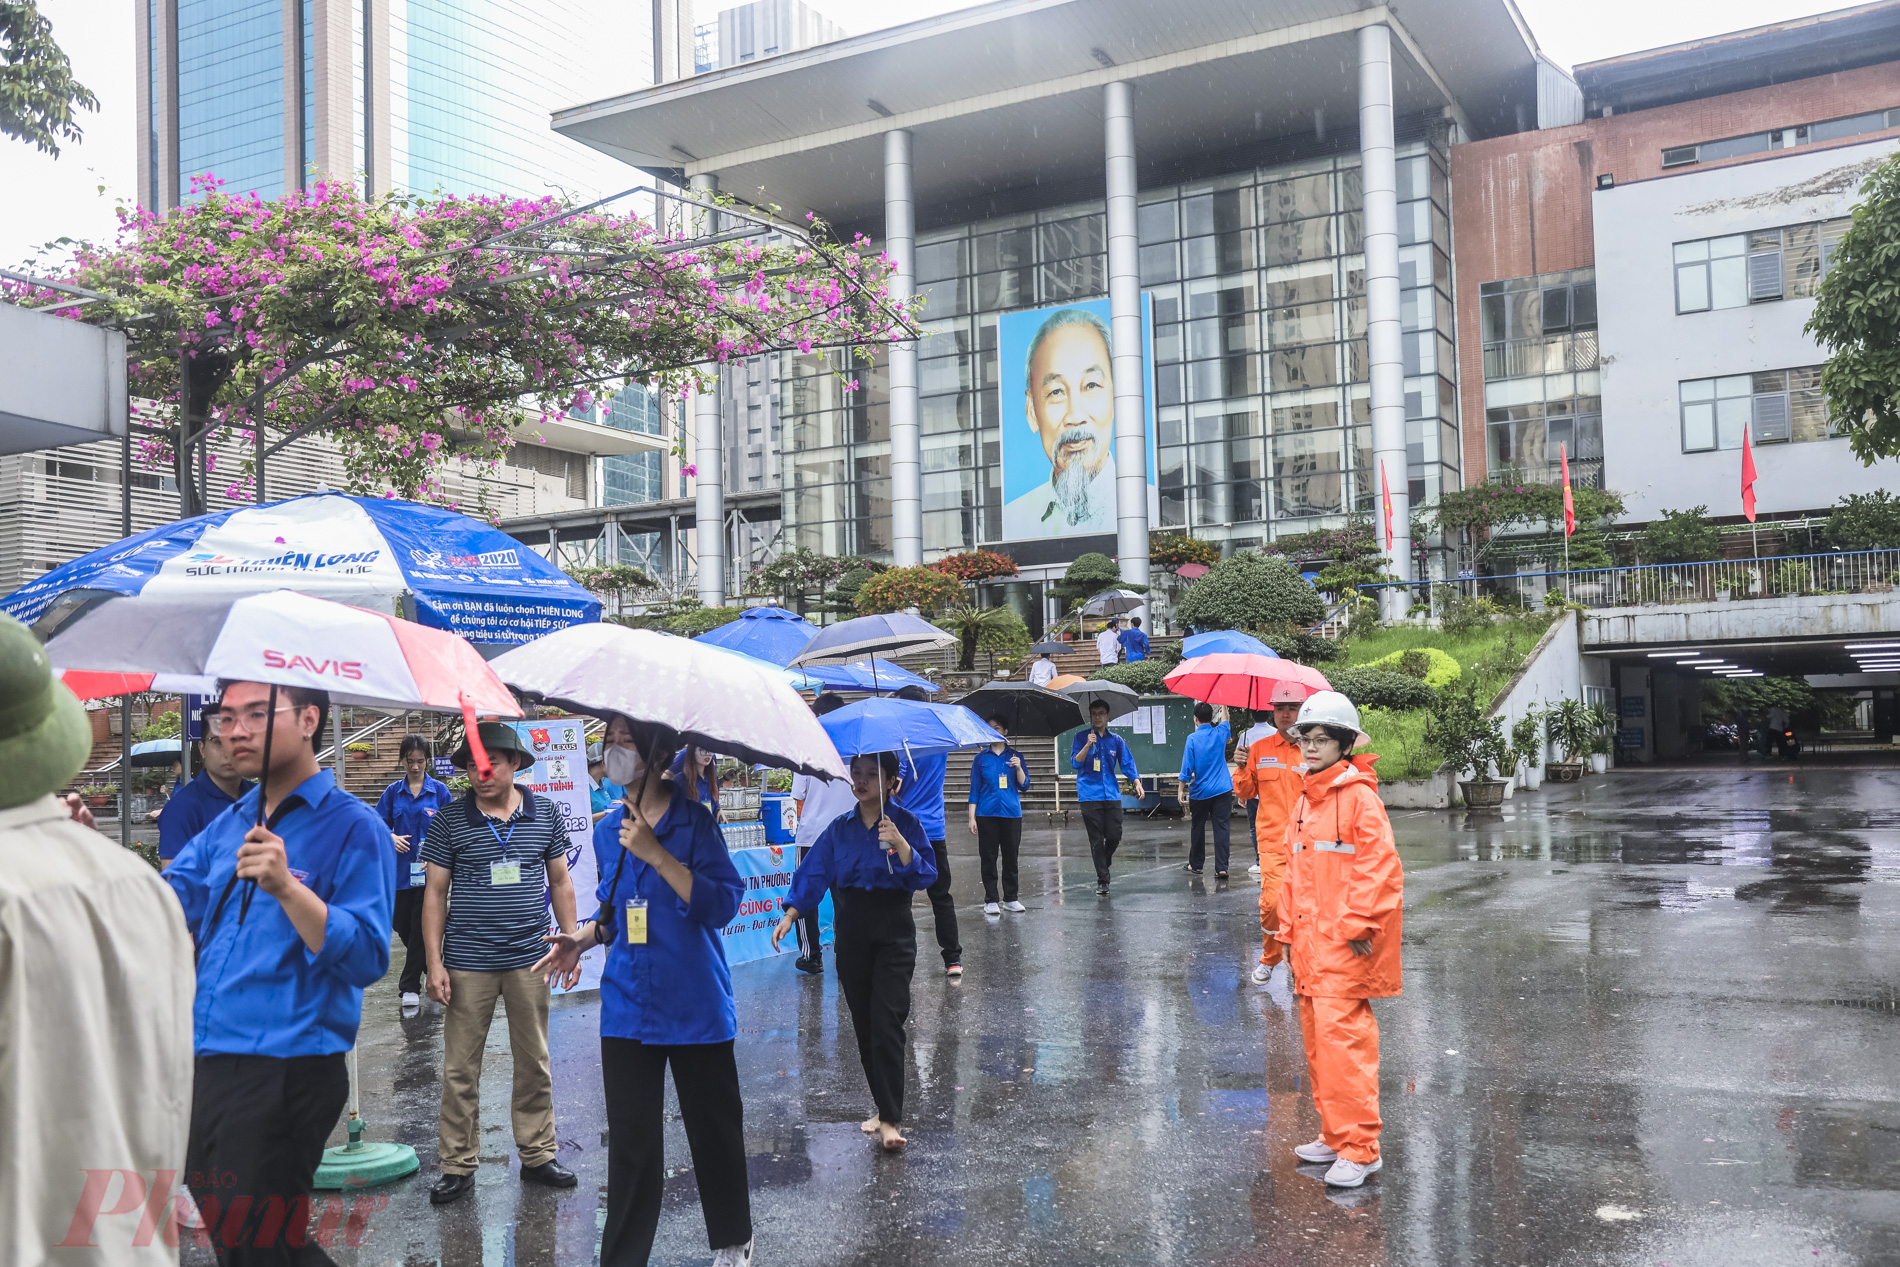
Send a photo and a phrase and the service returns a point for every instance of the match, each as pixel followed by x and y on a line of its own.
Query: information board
pixel 1156 734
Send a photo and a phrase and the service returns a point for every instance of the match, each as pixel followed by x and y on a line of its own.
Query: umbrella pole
pixel 263 779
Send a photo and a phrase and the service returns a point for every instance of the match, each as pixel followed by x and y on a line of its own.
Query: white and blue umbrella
pixel 433 566
pixel 862 636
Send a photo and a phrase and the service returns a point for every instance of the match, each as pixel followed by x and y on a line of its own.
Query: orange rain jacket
pixel 1270 772
pixel 1343 883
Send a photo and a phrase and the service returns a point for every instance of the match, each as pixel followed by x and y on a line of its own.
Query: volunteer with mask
pixel 1270 778
pixel 667 886
pixel 1341 912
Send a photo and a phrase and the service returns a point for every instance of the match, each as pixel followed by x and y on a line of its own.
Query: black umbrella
pixel 1028 711
pixel 1113 603
pixel 1121 700
pixel 1052 647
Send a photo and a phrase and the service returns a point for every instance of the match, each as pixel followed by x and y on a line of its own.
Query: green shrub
pixel 1869 521
pixel 1144 677
pixel 1249 591
pixel 1681 536
pixel 1381 688
pixel 1304 647
pixel 1400 741
pixel 1468 615
pixel 163 726
pixel 1429 665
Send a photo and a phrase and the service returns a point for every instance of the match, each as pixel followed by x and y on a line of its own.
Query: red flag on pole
pixel 1570 503
pixel 1385 495
pixel 1748 477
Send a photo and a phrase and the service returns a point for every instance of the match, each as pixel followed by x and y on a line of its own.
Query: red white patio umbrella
pixel 1243 681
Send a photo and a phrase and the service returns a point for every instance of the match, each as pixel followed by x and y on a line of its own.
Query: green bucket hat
pixel 44 735
pixel 496 737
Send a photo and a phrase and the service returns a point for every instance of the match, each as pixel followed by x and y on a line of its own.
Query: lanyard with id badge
pixel 507 871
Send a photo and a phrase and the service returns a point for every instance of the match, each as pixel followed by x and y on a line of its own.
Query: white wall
pixel 1554 671
pixel 1647 349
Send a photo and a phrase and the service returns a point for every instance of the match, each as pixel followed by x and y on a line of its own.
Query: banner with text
pixel 559 773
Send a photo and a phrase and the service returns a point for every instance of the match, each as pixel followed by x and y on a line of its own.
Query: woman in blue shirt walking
pixel 406 807
pixel 667 887
pixel 872 861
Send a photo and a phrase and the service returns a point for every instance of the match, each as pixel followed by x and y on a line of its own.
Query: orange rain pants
pixel 1268 773
pixel 1342 1059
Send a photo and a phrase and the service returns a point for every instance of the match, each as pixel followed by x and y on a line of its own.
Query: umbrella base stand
pixel 360 1164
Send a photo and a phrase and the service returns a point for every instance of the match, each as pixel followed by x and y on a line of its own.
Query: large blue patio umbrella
pixel 877 676
pixel 1220 640
pixel 764 633
pixel 424 563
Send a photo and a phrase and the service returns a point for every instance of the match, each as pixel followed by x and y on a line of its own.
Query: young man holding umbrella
pixel 214 789
pixel 291 917
pixel 1097 757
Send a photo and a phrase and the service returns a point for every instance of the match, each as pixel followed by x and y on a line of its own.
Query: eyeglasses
pixel 231 721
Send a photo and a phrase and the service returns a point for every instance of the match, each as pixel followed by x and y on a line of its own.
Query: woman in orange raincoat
pixel 1341 911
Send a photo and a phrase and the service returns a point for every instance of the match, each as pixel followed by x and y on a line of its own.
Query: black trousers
pixel 1220 808
pixel 944 907
pixel 996 835
pixel 876 942
pixel 806 929
pixel 1103 819
pixel 258 1124
pixel 633 1075
pixel 409 927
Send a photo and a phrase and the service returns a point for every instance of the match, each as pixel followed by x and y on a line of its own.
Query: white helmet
pixel 1287 692
pixel 1330 708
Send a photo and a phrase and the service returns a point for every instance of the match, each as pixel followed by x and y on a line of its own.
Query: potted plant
pixel 1570 730
pixel 1527 742
pixel 1599 754
pixel 358 751
pixel 97 795
pixel 1471 742
pixel 1602 738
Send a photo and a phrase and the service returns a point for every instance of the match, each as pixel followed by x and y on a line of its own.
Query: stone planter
pixel 1599 762
pixel 1564 771
pixel 1429 793
pixel 1533 776
pixel 98 802
pixel 1482 793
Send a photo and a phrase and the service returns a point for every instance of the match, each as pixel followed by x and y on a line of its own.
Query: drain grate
pixel 1888 1002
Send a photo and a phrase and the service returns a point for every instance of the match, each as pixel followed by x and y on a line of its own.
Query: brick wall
pixel 1520 204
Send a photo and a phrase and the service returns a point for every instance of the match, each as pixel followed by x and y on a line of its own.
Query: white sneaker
pixel 1315 1152
pixel 1015 908
pixel 411 999
pixel 1262 974
pixel 1254 869
pixel 1350 1174
pixel 187 1208
pixel 991 908
pixel 734 1256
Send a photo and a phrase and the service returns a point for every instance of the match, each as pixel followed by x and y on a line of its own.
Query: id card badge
pixel 1098 765
pixel 636 921
pixel 1002 782
pixel 501 874
pixel 418 873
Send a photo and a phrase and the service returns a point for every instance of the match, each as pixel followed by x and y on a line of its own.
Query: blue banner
pixel 767 874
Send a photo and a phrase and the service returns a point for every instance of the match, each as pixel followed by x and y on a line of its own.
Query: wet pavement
pixel 1650 1018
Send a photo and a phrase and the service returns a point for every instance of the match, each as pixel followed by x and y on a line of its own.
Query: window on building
pixel 1775 407
pixel 1781 138
pixel 1756 267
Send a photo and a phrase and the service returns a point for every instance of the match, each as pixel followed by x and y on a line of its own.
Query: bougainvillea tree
pixel 414 330
pixel 972 566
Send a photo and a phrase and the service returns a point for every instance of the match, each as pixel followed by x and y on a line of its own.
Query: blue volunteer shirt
pixel 1095 775
pixel 995 789
pixel 676 987
pixel 261 991
pixel 1204 759
pixel 1134 645
pixel 408 815
pixel 922 793
pixel 705 793
pixel 189 811
pixel 849 855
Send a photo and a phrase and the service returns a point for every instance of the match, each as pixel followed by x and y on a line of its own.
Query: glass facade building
pixel 1262 384
pixel 231 94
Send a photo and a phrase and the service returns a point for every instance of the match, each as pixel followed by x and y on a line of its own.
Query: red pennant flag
pixel 1570 503
pixel 1385 494
pixel 1748 477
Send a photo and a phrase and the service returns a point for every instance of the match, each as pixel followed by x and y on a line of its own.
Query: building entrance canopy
pixel 1010 94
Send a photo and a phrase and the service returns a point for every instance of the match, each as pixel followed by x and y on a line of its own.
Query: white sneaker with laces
pixel 734 1256
pixel 1350 1174
pixel 411 999
pixel 1253 869
pixel 1315 1152
pixel 1015 908
pixel 1262 974
pixel 991 908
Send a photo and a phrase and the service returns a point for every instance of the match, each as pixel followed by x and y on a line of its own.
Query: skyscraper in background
pixel 414 95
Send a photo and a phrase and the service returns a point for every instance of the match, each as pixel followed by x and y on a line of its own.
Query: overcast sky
pixel 47 199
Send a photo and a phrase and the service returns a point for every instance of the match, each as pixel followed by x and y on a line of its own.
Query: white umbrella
pixel 690 692
pixel 1114 603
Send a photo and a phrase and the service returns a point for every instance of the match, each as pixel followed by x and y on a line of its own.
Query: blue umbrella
pixel 430 565
pixel 764 633
pixel 155 752
pixel 1225 640
pixel 868 675
pixel 862 636
pixel 901 725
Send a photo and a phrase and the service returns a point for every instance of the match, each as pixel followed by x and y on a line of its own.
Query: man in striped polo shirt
pixel 502 852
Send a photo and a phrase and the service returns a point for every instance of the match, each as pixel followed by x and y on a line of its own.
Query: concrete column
pixel 1382 305
pixel 900 240
pixel 709 485
pixel 1124 307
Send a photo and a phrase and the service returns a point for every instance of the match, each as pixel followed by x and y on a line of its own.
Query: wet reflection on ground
pixel 1647 1018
